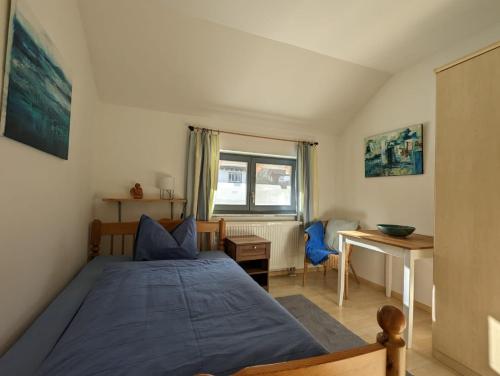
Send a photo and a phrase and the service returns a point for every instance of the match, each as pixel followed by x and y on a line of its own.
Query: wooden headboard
pixel 214 230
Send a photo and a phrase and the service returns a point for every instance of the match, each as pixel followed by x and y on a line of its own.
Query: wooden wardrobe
pixel 466 330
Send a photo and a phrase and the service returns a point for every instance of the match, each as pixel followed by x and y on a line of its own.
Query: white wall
pixel 407 98
pixel 131 144
pixel 44 200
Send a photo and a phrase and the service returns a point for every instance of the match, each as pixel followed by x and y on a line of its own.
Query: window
pixel 255 185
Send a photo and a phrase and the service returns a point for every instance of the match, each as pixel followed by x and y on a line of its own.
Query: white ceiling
pixel 387 35
pixel 314 62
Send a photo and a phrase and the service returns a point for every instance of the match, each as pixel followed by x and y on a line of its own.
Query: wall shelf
pixel 145 199
pixel 171 201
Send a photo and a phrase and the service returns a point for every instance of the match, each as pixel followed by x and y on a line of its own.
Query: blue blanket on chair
pixel 316 249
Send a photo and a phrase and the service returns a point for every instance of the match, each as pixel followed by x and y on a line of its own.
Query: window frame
pixel 235 209
pixel 250 207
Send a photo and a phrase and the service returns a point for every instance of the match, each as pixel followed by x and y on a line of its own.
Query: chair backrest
pixel 333 226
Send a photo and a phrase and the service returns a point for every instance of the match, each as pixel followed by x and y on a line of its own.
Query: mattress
pixel 176 317
pixel 27 354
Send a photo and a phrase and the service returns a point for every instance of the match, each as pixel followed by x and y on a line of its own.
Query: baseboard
pixel 282 272
pixel 395 294
pixel 453 364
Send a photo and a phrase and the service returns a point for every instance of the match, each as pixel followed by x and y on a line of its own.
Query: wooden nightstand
pixel 252 253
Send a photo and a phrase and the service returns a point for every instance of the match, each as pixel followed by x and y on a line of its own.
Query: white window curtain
pixel 202 172
pixel 307 182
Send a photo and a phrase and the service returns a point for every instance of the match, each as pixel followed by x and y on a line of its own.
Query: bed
pixel 182 317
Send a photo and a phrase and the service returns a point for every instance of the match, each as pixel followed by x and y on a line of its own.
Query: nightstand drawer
pixel 251 252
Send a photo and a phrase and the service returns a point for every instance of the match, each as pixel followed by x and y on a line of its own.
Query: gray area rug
pixel 325 329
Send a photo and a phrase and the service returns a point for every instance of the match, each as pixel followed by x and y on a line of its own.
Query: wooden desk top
pixel 414 241
pixel 246 239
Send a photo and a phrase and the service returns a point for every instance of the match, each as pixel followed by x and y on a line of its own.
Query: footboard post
pixel 95 239
pixel 392 321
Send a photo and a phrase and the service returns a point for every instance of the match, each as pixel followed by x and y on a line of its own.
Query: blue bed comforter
pixel 177 317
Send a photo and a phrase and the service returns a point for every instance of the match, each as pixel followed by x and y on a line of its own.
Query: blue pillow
pixel 154 242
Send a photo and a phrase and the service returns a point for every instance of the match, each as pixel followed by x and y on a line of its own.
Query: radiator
pixel 287 248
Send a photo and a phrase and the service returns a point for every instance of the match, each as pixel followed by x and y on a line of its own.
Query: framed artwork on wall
pixel 36 101
pixel 396 153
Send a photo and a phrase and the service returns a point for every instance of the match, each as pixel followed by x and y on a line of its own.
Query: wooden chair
pixel 331 263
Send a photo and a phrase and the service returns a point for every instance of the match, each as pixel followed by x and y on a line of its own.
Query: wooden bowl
pixel 396 230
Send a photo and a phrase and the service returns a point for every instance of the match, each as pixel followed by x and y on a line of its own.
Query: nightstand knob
pixel 254 247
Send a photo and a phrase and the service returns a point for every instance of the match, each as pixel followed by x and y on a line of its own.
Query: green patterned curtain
pixel 202 172
pixel 307 182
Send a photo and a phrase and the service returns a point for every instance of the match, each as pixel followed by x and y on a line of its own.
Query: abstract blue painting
pixel 36 105
pixel 395 153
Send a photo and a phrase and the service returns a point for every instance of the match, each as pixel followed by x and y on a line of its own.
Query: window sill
pixel 257 217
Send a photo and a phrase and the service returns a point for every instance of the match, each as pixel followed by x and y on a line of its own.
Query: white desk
pixel 412 248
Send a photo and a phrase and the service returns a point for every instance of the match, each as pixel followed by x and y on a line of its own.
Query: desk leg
pixel 341 270
pixel 388 275
pixel 408 295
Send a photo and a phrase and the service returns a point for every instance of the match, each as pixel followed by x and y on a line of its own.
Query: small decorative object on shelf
pixel 167 187
pixel 136 191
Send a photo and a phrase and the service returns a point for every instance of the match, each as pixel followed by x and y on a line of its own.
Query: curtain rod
pixel 191 128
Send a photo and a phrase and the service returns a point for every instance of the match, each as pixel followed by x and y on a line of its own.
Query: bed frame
pixel 386 357
pixel 212 234
pixel 366 361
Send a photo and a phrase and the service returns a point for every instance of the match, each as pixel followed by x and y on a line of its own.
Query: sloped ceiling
pixel 311 62
pixel 387 35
